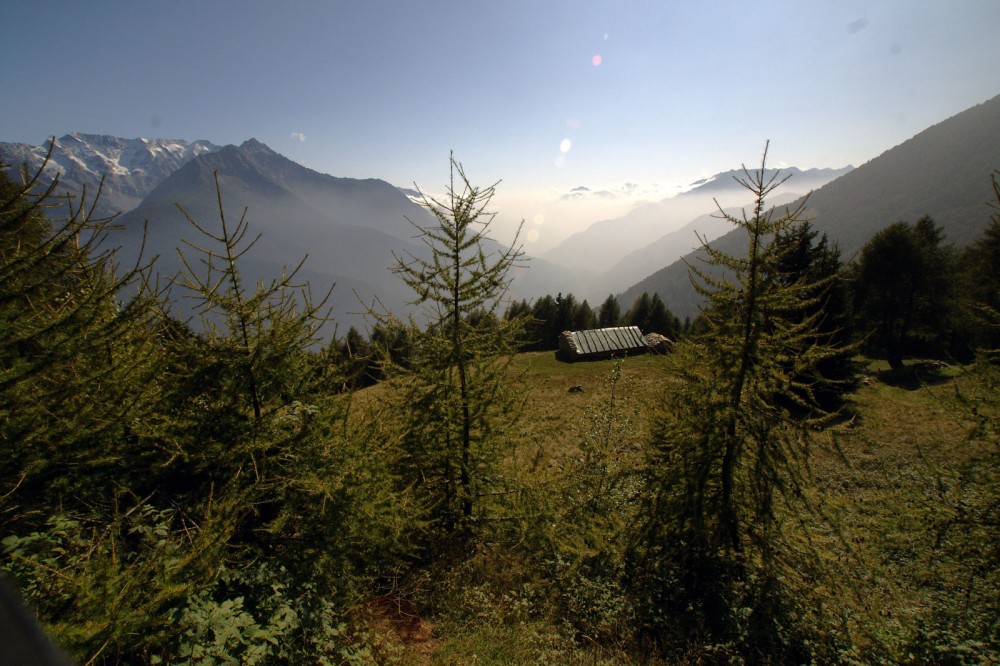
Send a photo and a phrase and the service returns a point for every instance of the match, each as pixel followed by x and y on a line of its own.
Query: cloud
pixel 298 136
pixel 626 190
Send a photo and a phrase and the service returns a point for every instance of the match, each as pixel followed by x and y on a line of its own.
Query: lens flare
pixel 532 236
pixel 564 146
pixel 539 218
pixel 597 60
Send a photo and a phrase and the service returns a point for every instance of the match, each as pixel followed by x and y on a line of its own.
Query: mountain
pixel 647 260
pixel 943 172
pixel 604 245
pixel 349 228
pixel 131 168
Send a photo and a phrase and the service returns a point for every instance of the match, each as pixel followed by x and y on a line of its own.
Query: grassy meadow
pixel 904 490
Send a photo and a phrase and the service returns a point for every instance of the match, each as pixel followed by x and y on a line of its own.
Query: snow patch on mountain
pixel 130 168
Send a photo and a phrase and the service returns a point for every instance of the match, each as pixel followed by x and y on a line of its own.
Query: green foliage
pixel 727 468
pixel 980 284
pixel 118 588
pixel 64 338
pixel 542 330
pixel 651 316
pixel 805 260
pixel 172 494
pixel 610 313
pixel 456 398
pixel 215 492
pixel 902 289
pixel 590 510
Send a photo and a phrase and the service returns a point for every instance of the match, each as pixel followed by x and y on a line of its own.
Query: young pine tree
pixel 456 399
pixel 728 457
pixel 74 366
pixel 252 422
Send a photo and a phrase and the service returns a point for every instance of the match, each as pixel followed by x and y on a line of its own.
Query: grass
pixel 908 480
pixel 907 484
pixel 555 418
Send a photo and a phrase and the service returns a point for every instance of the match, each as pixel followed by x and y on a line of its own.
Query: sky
pixel 581 109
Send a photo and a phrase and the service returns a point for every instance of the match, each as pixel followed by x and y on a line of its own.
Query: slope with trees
pixel 940 173
pixel 170 495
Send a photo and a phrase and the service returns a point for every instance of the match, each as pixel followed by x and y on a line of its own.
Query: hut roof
pixel 601 342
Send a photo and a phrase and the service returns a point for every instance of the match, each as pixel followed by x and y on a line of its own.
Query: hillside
pixel 898 470
pixel 608 245
pixel 943 172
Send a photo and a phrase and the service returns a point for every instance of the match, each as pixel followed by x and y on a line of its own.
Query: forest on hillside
pixel 224 486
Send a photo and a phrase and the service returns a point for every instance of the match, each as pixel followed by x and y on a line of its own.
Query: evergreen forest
pixel 200 469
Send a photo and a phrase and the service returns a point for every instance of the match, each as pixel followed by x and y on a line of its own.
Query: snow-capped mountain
pixel 131 168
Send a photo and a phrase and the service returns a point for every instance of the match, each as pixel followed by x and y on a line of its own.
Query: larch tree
pixel 727 462
pixel 455 400
pixel 74 368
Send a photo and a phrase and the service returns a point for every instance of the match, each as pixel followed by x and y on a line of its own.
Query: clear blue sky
pixel 627 99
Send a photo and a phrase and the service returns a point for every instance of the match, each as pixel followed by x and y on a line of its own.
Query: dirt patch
pixel 400 618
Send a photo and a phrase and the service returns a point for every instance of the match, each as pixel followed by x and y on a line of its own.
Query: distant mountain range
pixel 611 246
pixel 943 172
pixel 350 228
pixel 131 168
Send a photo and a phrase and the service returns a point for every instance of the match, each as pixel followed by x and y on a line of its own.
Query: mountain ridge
pixel 943 171
pixel 604 244
pixel 130 168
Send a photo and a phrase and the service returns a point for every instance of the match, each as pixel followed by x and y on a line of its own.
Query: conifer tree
pixel 74 367
pixel 254 423
pixel 638 314
pixel 807 256
pixel 566 307
pixel 584 317
pixel 728 455
pixel 543 329
pixel 610 313
pixel 981 285
pixel 254 338
pixel 902 287
pixel 455 401
pixel 168 494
